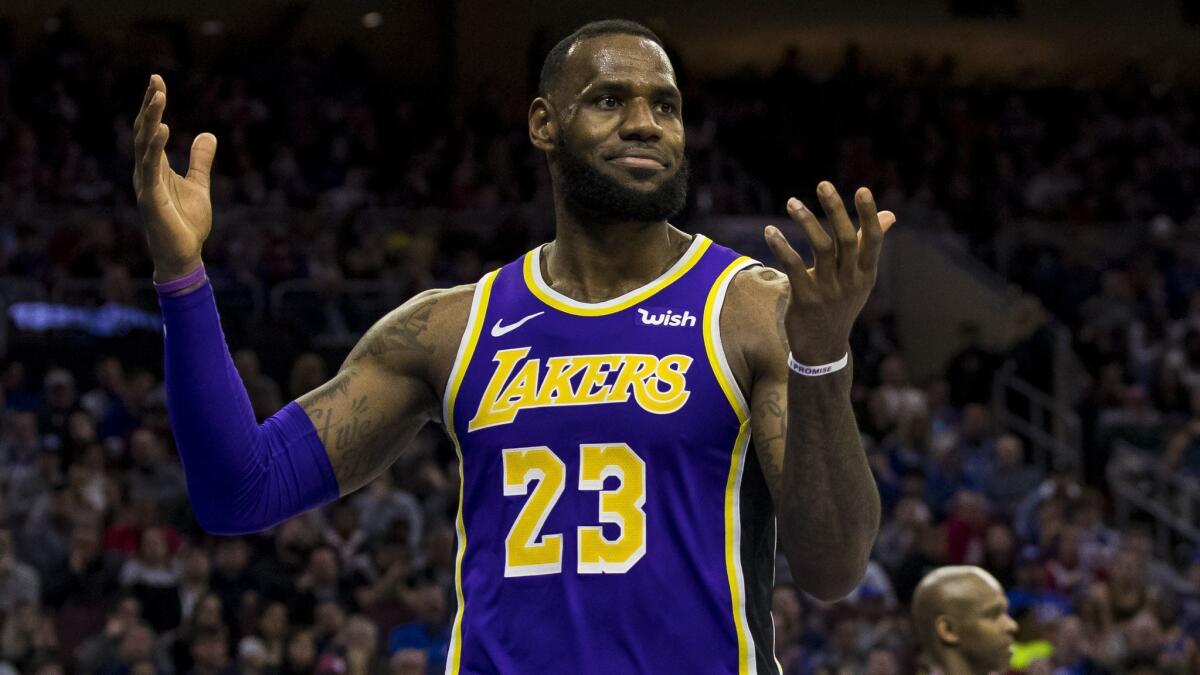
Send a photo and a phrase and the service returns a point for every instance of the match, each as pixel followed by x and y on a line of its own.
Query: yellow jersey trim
pixel 712 337
pixel 466 349
pixel 540 289
pixel 737 461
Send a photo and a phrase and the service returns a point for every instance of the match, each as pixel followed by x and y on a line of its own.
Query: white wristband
pixel 814 371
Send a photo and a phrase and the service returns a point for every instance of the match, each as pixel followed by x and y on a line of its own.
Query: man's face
pixel 619 151
pixel 985 630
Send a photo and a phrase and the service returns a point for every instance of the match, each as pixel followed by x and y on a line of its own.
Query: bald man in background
pixel 961 618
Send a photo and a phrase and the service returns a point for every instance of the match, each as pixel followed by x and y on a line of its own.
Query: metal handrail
pixel 1138 479
pixel 1053 429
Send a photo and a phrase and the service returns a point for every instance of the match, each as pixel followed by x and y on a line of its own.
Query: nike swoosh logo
pixel 499 330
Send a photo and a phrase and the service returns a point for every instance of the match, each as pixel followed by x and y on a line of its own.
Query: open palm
pixel 177 210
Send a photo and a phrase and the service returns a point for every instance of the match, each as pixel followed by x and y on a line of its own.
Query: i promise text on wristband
pixel 195 276
pixel 815 371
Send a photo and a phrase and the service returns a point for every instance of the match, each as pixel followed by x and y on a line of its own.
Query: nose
pixel 639 122
pixel 1010 625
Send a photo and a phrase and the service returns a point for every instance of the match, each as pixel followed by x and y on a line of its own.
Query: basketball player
pixel 961 618
pixel 601 391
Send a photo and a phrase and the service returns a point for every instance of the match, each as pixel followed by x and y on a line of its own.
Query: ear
pixel 543 124
pixel 944 628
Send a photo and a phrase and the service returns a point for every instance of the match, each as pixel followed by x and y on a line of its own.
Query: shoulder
pixel 758 285
pixel 752 321
pixel 421 335
pixel 754 303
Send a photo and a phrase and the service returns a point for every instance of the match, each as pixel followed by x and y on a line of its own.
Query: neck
pixel 597 262
pixel 953 663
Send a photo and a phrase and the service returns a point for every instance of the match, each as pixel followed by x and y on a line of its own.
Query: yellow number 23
pixel 528 552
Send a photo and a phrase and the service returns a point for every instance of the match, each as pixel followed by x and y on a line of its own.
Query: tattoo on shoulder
pixel 408 333
pixel 769 274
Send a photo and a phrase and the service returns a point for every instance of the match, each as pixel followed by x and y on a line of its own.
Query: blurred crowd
pixel 324 175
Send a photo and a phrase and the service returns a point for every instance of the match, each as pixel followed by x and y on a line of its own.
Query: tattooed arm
pixel 389 386
pixel 807 442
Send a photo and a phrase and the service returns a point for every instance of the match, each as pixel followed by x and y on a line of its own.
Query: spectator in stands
pixel 1000 554
pixel 355 650
pixel 966 529
pixel 344 535
pixel 328 619
pixel 47 531
pixel 20 443
pixel 308 373
pixel 19 583
pixel 272 631
pixel 60 401
pixel 100 650
pixel 85 576
pixel 252 657
pixel 301 657
pixel 106 401
pixel 969 371
pixel 408 662
pixel 895 402
pixel 381 505
pixel 899 535
pixel 152 579
pixel 17 393
pixel 274 575
pixel 323 580
pixel 28 484
pixel 1012 477
pixel 193 567
pixel 231 577
pixel 176 647
pixel 263 391
pixel 210 652
pixel 153 477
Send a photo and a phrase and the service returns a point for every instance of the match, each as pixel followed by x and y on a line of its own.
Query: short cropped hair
pixel 552 67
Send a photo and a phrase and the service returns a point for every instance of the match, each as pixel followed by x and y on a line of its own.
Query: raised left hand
pixel 827 297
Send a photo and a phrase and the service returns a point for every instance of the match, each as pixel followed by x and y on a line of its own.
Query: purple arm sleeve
pixel 242 477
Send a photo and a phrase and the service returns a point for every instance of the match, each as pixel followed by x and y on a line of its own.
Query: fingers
pixel 156 85
pixel 843 229
pixel 791 262
pixel 153 160
pixel 150 120
pixel 204 149
pixel 886 220
pixel 870 234
pixel 145 125
pixel 824 251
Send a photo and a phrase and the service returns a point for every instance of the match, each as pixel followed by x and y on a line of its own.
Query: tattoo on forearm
pixel 773 418
pixel 409 333
pixel 353 431
pixel 354 438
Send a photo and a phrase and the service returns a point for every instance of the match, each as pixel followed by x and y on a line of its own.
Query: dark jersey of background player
pixel 609 118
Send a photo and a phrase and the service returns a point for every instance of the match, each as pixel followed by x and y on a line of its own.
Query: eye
pixel 605 101
pixel 667 108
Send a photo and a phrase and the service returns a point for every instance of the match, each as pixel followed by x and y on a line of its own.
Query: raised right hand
pixel 176 210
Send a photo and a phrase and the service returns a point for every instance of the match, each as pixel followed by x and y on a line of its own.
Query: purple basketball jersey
pixel 612 517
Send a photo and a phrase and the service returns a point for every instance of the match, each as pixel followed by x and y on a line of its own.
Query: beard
pixel 597 197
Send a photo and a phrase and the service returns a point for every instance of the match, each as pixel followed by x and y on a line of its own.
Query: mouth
pixel 639 163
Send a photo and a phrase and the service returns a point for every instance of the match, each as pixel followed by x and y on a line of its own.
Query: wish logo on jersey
pixel 665 317
pixel 657 384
